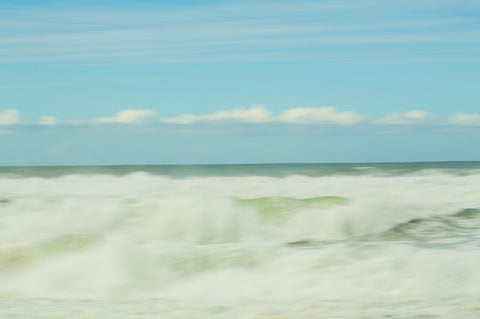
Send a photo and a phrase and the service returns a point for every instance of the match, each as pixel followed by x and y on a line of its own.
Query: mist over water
pixel 241 241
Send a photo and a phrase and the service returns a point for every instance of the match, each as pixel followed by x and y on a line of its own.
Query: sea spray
pixel 335 243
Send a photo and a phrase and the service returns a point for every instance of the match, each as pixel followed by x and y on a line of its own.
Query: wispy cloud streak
pixel 260 31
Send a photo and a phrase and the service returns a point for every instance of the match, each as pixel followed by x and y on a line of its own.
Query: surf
pixel 329 242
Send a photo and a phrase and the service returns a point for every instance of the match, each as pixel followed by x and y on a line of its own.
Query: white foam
pixel 188 240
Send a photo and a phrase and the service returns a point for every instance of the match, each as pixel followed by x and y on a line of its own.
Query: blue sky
pixel 167 82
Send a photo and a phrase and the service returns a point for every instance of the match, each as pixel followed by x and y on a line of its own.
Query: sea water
pixel 241 241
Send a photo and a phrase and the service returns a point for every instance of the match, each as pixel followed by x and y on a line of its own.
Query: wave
pixel 280 209
pixel 145 235
pixel 206 210
pixel 459 227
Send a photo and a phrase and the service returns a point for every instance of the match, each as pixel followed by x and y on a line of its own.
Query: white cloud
pixel 48 120
pixel 183 119
pixel 465 119
pixel 259 114
pixel 9 117
pixel 325 117
pixel 255 114
pixel 406 118
pixel 322 114
pixel 128 117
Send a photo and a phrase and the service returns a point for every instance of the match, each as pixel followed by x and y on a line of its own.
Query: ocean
pixel 277 241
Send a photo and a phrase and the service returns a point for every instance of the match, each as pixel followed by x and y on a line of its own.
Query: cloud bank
pixel 257 115
pixel 260 114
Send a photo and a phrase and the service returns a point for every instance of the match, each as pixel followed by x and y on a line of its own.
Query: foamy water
pixel 316 243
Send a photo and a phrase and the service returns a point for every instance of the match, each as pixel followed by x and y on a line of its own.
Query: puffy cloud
pixel 9 117
pixel 258 114
pixel 48 120
pixel 255 114
pixel 406 118
pixel 322 114
pixel 465 119
pixel 184 119
pixel 128 117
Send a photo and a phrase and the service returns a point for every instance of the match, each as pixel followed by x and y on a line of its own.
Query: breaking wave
pixel 326 243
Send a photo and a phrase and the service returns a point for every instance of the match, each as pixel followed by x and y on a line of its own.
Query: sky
pixel 210 82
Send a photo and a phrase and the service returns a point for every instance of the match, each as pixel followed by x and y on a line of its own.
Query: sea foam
pixel 241 246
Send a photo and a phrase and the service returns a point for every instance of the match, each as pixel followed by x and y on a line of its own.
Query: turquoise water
pixel 391 240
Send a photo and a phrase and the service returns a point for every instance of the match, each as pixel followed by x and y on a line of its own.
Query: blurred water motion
pixel 241 241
